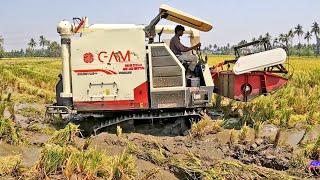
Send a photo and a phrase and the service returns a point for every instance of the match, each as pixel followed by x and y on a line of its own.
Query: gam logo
pixel 105 57
pixel 88 57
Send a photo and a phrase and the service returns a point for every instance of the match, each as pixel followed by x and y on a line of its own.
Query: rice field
pixel 297 102
pixel 32 81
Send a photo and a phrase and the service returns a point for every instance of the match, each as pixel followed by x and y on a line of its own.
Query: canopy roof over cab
pixel 181 17
pixel 177 16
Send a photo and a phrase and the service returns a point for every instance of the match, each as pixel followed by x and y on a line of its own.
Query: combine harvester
pixel 118 73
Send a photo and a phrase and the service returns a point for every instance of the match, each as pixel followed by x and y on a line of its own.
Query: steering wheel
pixel 198 52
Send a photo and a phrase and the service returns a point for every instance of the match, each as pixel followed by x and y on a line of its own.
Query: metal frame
pixel 265 42
pixel 162 89
pixel 267 46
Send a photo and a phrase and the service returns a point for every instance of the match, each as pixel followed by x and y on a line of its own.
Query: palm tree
pixel 267 36
pixel 284 38
pixel 316 31
pixel 1 46
pixel 299 31
pixel 275 42
pixel 1 42
pixel 260 38
pixel 47 43
pixel 32 44
pixel 255 46
pixel 290 36
pixel 242 42
pixel 42 41
pixel 308 37
pixel 281 37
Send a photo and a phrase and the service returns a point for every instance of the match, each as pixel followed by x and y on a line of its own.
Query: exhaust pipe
pixel 64 28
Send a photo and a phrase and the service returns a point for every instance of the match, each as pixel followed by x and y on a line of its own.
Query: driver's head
pixel 179 30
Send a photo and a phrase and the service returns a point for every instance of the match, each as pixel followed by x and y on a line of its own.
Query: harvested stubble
pixel 9 132
pixel 205 126
pixel 65 136
pixel 70 162
pixel 10 165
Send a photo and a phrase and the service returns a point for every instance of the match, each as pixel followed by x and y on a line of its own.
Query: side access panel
pixel 108 69
pixel 167 78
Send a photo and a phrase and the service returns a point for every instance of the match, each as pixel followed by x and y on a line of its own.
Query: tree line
pixel 283 40
pixel 52 49
pixel 46 48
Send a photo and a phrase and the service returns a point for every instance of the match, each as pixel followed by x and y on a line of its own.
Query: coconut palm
pixel 32 44
pixel 299 31
pixel 42 41
pixel 290 36
pixel 308 37
pixel 1 42
pixel 260 38
pixel 255 46
pixel 284 38
pixel 275 42
pixel 1 46
pixel 47 43
pixel 316 31
pixel 267 36
pixel 281 37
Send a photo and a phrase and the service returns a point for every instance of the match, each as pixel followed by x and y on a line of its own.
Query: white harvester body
pixel 119 69
pixel 108 64
pixel 110 67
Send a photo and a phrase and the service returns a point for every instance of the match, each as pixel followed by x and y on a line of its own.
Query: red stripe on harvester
pixel 95 70
pixel 112 71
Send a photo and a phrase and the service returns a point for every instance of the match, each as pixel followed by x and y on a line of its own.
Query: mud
pixel 157 146
pixel 29 154
pixel 212 148
pixel 263 153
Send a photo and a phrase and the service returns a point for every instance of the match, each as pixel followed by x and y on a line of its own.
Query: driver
pixel 177 48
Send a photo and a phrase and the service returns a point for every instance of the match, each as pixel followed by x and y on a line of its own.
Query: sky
pixel 233 20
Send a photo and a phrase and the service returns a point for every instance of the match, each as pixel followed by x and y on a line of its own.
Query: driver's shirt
pixel 176 46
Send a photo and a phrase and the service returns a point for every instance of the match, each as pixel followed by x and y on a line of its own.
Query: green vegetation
pixel 65 136
pixel 283 40
pixel 31 112
pixel 1 47
pixel 33 80
pixel 9 132
pixel 244 133
pixel 87 164
pixel 48 49
pixel 83 164
pixel 29 80
pixel 296 103
pixel 60 158
pixel 10 165
pixel 52 159
pixel 205 126
pixel 37 127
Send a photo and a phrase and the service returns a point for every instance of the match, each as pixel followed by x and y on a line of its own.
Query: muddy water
pixel 292 137
pixel 29 154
